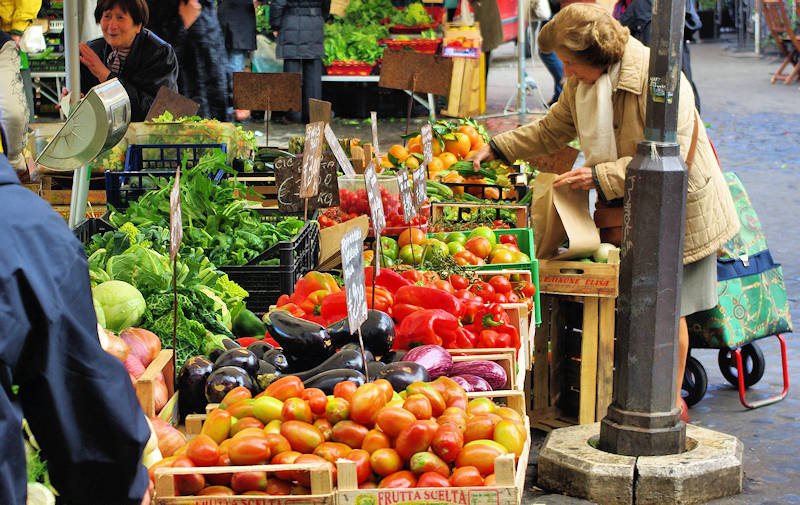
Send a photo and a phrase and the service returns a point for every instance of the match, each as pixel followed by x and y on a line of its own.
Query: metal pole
pixel 522 106
pixel 643 419
pixel 71 40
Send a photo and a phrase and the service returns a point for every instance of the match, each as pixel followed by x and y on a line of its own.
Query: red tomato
pixel 467 476
pixel 500 284
pixel 479 246
pixel 216 491
pixel 220 479
pixel 285 458
pixel 302 436
pixel 345 389
pixel 490 481
pixel 482 289
pixel 481 427
pixel 366 402
pixel 316 399
pixel 458 282
pixel 375 440
pixel 363 466
pixel 202 450
pixel 432 479
pixel 296 409
pixel 500 298
pixel 241 482
pixel 423 462
pixel 331 451
pixel 465 258
pixel 393 420
pixel 325 427
pixel 418 405
pixel 164 463
pixel 512 297
pixel 454 395
pixel 385 461
pixel 234 396
pixel 444 286
pixel 242 409
pixel 413 276
pixel 284 388
pixel 187 485
pixel 217 425
pixel 438 403
pixel 415 438
pixel 386 387
pixel 277 443
pixel 447 442
pixel 508 239
pixel 251 450
pixel 402 479
pixel 479 455
pixel 277 487
pixel 338 409
pixel 529 289
pixel 244 423
pixel 350 433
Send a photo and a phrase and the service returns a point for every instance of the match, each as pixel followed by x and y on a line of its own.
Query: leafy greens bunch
pixel 348 42
pixel 413 15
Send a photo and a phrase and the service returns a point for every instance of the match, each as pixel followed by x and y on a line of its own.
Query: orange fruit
pixel 447 159
pixel 416 235
pixel 481 144
pixel 412 163
pixel 437 146
pixel 436 165
pixel 415 145
pixel 460 146
pixel 385 163
pixel 398 152
pixel 472 133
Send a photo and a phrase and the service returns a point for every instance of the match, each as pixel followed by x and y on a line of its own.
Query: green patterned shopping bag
pixel 752 296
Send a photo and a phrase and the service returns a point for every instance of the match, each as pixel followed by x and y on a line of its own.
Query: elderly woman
pixel 603 103
pixel 138 58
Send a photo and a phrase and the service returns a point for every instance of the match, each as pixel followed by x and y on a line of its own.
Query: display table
pixel 366 80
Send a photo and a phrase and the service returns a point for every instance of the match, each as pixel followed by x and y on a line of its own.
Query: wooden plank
pixel 419 72
pixel 145 385
pixel 541 365
pixel 64 196
pixel 605 356
pixel 588 384
pixel 194 424
pixel 556 353
pixel 454 96
pixel 578 278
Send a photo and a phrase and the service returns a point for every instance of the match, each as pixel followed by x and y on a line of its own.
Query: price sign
pixel 312 152
pixel 375 201
pixel 288 181
pixel 406 198
pixel 420 186
pixel 338 152
pixel 374 118
pixel 427 143
pixel 175 217
pixel 353 270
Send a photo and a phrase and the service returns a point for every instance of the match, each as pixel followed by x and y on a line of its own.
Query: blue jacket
pixel 78 400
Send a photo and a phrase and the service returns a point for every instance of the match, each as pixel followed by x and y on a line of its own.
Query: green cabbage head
pixel 123 305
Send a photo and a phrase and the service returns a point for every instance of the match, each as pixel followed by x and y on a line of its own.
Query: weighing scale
pixel 97 123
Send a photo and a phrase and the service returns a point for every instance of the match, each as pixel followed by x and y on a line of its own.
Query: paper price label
pixel 427 143
pixel 374 119
pixel 374 198
pixel 420 186
pixel 312 152
pixel 353 271
pixel 338 152
pixel 175 217
pixel 406 197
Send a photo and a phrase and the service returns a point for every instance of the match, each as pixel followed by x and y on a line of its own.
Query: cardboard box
pixel 461 41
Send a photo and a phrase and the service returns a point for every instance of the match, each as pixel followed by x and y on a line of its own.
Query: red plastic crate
pixel 419 45
pixel 350 68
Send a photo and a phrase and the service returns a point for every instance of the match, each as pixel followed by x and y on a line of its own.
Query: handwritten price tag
pixel 406 198
pixel 374 198
pixel 374 118
pixel 312 152
pixel 338 152
pixel 288 173
pixel 353 270
pixel 427 143
pixel 420 186
pixel 175 217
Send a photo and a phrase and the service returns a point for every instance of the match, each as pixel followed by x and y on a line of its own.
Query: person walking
pixel 13 105
pixel 237 18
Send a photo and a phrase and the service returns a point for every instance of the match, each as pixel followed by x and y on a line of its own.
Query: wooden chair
pixel 788 41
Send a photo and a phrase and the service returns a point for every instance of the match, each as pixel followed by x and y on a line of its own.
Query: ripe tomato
pixel 187 485
pixel 363 467
pixel 338 409
pixel 479 246
pixel 444 286
pixel 467 476
pixel 481 427
pixel 202 450
pixel 277 443
pixel 508 413
pixel 217 425
pixel 244 423
pixel 296 409
pixel 302 436
pixel 432 479
pixel 331 451
pixel 418 405
pixel 216 491
pixel 350 433
pixel 512 297
pixel 415 438
pixel 277 487
pixel 482 289
pixel 366 402
pixel 285 458
pixel 528 289
pixel 501 256
pixel 447 442
pixel 393 420
pixel 454 395
pixel 375 440
pixel 500 298
pixel 234 396
pixel 345 390
pixel 422 462
pixel 303 477
pixel 386 387
pixel 316 399
pixel 500 284
pixel 325 427
pixel 242 482
pixel 220 479
pixel 385 461
pixel 249 450
pixel 398 480
pixel 479 455
pixel 437 400
pixel 241 409
pixel 284 388
pixel 458 282
pixel 508 239
pixel 510 435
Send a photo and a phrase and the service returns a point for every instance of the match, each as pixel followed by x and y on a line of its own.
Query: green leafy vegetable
pixel 413 15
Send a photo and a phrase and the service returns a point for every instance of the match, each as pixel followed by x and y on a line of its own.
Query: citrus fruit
pixel 417 237
pixel 399 152
pixel 415 145
pixel 472 133
pixel 412 163
pixel 447 159
pixel 460 146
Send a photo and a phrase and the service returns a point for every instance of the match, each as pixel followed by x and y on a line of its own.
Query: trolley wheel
pixel 752 365
pixel 695 381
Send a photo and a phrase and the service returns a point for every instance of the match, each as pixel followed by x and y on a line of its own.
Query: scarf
pixel 595 117
pixel 116 60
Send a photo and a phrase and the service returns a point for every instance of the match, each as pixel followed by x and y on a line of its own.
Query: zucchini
pixel 441 189
pixel 471 198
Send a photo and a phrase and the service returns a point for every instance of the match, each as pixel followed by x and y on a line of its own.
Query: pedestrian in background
pixel 237 18
pixel 13 105
pixel 298 26
pixel 17 15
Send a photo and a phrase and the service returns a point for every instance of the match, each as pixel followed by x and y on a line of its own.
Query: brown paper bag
pixel 558 214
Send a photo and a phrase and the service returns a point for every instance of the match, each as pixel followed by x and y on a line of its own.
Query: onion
pixel 112 344
pixel 160 393
pixel 134 366
pixel 144 344
pixel 169 439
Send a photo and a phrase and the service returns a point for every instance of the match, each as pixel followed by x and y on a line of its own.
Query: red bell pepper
pixel 294 310
pixel 246 341
pixel 412 298
pixel 386 278
pixel 333 307
pixel 311 303
pixel 464 338
pixel 493 317
pixel 426 327
pixel 311 282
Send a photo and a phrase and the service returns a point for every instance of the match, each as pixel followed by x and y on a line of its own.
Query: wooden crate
pixel 321 486
pixel 145 385
pixel 583 278
pixel 264 186
pixel 573 361
pixel 520 211
pixel 464 98
pixel 508 491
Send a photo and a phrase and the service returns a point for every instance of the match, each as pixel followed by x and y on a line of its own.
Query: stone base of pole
pixel 642 433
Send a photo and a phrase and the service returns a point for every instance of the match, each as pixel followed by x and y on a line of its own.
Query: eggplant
pixel 304 343
pixel 489 371
pixel 346 358
pixel 393 356
pixel 276 358
pixel 374 368
pixel 224 379
pixel 377 332
pixel 216 353
pixel 326 381
pixel 402 373
pixel 355 347
pixel 230 344
pixel 265 375
pixel 240 357
pixel 260 348
pixel 476 383
pixel 192 385
pixel 434 358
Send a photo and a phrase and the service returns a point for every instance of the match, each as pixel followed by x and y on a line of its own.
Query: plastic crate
pixel 144 162
pixel 90 227
pixel 47 64
pixel 265 283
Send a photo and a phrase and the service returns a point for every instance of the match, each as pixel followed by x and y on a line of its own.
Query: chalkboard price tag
pixel 353 270
pixel 175 217
pixel 312 152
pixel 375 201
pixel 338 152
pixel 420 187
pixel 288 182
pixel 406 197
pixel 427 143
pixel 374 119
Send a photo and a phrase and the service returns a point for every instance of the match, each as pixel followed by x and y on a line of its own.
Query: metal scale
pixel 97 123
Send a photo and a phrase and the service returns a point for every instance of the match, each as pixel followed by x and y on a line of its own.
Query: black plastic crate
pixel 144 162
pixel 90 227
pixel 266 283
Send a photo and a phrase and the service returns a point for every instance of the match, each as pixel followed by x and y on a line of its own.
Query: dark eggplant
pixel 224 379
pixel 374 368
pixel 265 375
pixel 192 385
pixel 260 348
pixel 276 358
pixel 377 332
pixel 346 358
pixel 240 357
pixel 230 344
pixel 402 373
pixel 216 353
pixel 393 356
pixel 355 347
pixel 326 381
pixel 303 342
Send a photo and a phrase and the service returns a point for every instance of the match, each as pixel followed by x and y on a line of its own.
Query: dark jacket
pixel 299 24
pixel 78 399
pixel 638 14
pixel 201 55
pixel 150 64
pixel 237 18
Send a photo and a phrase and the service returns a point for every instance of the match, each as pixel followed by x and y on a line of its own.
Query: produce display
pixel 355 36
pixel 413 14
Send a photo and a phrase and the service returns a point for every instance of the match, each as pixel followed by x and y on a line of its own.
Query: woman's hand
pixel 189 10
pixel 485 153
pixel 90 59
pixel 579 178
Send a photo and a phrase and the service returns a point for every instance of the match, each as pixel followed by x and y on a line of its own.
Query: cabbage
pixel 221 312
pixel 98 309
pixel 122 304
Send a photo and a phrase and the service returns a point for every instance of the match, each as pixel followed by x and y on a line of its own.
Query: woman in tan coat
pixel 603 103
